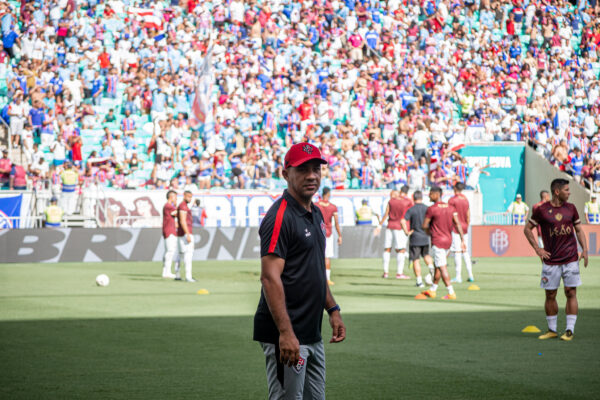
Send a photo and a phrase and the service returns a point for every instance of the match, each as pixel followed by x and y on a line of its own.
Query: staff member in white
pixel 169 229
pixel 185 237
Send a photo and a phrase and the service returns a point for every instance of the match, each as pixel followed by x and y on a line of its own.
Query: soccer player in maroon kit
pixel 395 210
pixel 329 212
pixel 440 219
pixel 461 205
pixel 185 237
pixel 559 223
pixel 169 229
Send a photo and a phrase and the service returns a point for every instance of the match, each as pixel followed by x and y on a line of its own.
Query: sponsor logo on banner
pixel 10 211
pixel 499 241
pixel 5 222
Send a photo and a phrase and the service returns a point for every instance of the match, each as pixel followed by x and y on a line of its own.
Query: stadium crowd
pixel 387 89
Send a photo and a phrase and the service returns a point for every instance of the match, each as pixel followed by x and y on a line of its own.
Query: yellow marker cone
pixel 473 287
pixel 202 291
pixel 531 329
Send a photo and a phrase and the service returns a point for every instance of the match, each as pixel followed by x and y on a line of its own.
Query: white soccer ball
pixel 102 280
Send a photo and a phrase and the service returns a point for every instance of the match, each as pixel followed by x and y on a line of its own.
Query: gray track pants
pixel 306 380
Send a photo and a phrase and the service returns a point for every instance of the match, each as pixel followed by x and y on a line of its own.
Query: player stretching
pixel 461 205
pixel 558 219
pixel 329 211
pixel 439 220
pixel 185 237
pixel 169 229
pixel 395 210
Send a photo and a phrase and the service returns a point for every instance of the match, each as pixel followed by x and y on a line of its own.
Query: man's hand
pixel 584 255
pixel 463 245
pixel 289 349
pixel 189 237
pixel 339 240
pixel 543 254
pixel 377 231
pixel 338 328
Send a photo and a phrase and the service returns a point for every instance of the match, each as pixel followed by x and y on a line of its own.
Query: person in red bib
pixel 185 237
pixel 461 205
pixel 329 212
pixel 561 230
pixel 169 230
pixel 396 208
pixel 440 220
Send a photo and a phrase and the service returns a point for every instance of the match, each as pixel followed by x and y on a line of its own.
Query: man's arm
pixel 458 227
pixel 385 215
pixel 426 223
pixel 335 320
pixel 583 243
pixel 270 277
pixel 404 227
pixel 186 230
pixel 528 231
pixel 337 228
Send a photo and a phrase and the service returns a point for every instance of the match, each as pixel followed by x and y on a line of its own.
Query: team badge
pixel 558 216
pixel 307 148
pixel 544 280
pixel 298 367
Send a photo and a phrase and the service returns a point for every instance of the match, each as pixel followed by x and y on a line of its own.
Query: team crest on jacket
pixel 323 228
pixel 307 149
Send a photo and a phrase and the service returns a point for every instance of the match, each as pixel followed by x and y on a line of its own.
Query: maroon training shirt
pixel 558 231
pixel 168 227
pixel 327 209
pixel 441 225
pixel 461 205
pixel 398 207
pixel 188 219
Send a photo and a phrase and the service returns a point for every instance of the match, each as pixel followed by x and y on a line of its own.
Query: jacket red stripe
pixel 277 227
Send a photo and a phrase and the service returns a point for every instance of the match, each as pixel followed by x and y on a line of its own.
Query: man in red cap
pixel 294 292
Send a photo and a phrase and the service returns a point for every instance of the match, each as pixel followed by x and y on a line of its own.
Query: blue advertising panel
pixel 10 209
pixel 506 173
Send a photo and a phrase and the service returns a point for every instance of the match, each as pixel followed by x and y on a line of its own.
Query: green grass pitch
pixel 143 337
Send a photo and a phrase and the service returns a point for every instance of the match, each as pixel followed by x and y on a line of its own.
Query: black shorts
pixel 416 252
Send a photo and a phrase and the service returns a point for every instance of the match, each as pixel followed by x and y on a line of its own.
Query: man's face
pixel 305 179
pixel 434 196
pixel 187 197
pixel 563 193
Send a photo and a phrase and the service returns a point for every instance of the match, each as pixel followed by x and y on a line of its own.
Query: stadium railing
pixel 497 218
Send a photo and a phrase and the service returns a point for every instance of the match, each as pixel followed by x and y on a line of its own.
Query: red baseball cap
pixel 302 152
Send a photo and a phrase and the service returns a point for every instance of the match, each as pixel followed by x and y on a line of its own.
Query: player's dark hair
pixel 542 193
pixel 436 189
pixel 404 189
pixel 169 193
pixel 187 191
pixel 459 186
pixel 558 184
pixel 418 195
pixel 326 191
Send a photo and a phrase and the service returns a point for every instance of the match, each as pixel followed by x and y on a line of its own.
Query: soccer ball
pixel 102 280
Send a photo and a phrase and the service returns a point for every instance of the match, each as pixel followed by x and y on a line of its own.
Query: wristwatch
pixel 334 308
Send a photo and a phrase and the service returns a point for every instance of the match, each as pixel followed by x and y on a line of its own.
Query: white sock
pixel 400 262
pixel 458 264
pixel 386 262
pixel 571 319
pixel 468 264
pixel 419 280
pixel 431 270
pixel 328 274
pixel 433 287
pixel 450 289
pixel 551 322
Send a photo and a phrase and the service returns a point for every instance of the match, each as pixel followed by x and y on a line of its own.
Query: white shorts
pixel 551 275
pixel 397 236
pixel 184 246
pixel 171 244
pixel 456 242
pixel 439 256
pixel 329 246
